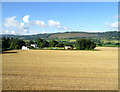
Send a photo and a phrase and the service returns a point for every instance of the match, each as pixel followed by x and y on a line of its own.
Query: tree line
pixel 80 44
pixel 11 43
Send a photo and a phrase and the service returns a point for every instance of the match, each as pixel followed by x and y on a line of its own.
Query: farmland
pixel 60 69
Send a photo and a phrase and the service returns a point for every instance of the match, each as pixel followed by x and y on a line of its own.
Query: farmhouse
pixel 68 47
pixel 34 45
pixel 24 48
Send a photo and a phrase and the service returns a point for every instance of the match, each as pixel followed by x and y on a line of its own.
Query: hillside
pixel 67 35
pixel 70 35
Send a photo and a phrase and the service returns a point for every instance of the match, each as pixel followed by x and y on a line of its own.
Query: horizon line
pixel 62 32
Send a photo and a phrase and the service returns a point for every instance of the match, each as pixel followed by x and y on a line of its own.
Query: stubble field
pixel 60 69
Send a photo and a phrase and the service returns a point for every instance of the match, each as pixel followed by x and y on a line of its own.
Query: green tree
pixel 60 44
pixel 45 43
pixel 5 43
pixel 92 45
pixel 31 47
pixel 39 42
pixel 17 44
pixel 21 43
pixel 99 44
pixel 17 47
pixel 68 44
pixel 30 42
pixel 12 46
pixel 42 43
pixel 84 44
pixel 53 43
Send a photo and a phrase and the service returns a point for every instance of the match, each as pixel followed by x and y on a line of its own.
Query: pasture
pixel 60 69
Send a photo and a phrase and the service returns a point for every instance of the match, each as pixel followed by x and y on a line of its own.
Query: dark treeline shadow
pixel 97 50
pixel 60 91
pixel 9 52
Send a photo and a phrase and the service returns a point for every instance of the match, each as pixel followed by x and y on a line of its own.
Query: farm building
pixel 34 45
pixel 45 48
pixel 68 47
pixel 24 48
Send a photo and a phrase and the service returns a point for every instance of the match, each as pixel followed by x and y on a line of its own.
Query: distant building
pixel 45 48
pixel 24 48
pixel 34 45
pixel 68 47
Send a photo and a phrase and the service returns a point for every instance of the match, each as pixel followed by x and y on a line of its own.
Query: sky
pixel 25 18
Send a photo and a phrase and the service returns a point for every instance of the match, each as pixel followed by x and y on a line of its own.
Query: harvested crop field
pixel 60 69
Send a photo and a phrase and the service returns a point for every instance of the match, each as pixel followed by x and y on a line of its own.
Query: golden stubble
pixel 60 69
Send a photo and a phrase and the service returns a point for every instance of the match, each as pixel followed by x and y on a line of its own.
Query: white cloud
pixel 66 28
pixel 57 25
pixel 22 25
pixel 6 31
pixel 40 23
pixel 85 30
pixel 34 32
pixel 112 25
pixel 36 22
pixel 16 27
pixel 43 32
pixel 52 23
pixel 26 18
pixel 25 30
pixel 11 22
pixel 94 31
pixel 13 32
pixel 2 31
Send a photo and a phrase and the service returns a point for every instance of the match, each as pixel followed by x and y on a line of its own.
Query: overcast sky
pixel 50 17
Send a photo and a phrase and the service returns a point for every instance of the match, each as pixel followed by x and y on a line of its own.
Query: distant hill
pixel 65 35
pixel 69 35
pixel 27 37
